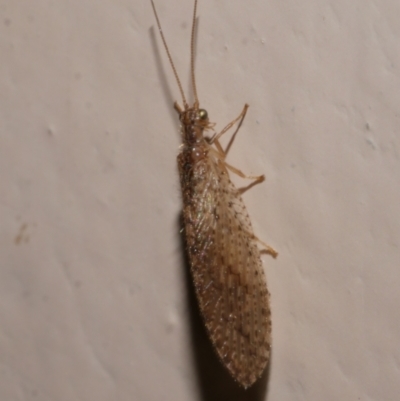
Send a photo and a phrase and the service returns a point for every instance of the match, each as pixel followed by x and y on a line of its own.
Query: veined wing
pixel 227 271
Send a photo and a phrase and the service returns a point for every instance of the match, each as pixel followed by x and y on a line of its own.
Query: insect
pixel 223 251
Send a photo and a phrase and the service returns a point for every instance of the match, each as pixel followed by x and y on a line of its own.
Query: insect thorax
pixel 194 123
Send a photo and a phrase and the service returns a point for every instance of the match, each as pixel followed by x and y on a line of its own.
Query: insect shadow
pixel 214 381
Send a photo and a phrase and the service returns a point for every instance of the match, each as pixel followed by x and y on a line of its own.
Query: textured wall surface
pixel 95 302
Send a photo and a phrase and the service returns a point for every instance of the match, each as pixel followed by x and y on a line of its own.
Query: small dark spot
pixel 22 235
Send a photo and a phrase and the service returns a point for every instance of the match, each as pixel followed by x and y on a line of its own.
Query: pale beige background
pixel 93 294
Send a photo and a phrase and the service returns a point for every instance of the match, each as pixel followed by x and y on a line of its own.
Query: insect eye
pixel 203 115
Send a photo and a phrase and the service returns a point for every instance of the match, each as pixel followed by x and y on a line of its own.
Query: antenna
pixel 196 99
pixel 185 104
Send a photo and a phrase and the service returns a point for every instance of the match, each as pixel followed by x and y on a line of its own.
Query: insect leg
pixel 240 118
pixel 257 178
pixel 220 149
pixel 267 249
pixel 220 154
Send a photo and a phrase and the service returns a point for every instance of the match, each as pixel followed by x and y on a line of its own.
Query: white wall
pixel 94 302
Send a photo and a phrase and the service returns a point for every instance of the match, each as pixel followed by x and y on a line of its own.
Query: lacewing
pixel 223 251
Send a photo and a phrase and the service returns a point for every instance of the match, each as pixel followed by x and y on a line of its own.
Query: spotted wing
pixel 226 268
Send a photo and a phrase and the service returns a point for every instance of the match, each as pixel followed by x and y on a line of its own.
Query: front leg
pixel 240 118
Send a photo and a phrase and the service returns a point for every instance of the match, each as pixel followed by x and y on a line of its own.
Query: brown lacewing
pixel 223 251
